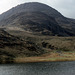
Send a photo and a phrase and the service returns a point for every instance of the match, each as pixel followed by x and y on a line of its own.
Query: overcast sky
pixel 66 7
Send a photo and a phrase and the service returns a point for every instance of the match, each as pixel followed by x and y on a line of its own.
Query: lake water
pixel 46 68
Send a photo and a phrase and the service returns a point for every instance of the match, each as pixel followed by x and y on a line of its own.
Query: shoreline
pixel 43 60
pixel 54 57
pixel 50 57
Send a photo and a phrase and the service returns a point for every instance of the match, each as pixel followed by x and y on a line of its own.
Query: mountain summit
pixel 37 18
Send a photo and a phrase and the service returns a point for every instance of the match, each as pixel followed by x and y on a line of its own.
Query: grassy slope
pixel 55 49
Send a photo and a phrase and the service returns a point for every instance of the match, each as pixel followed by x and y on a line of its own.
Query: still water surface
pixel 48 68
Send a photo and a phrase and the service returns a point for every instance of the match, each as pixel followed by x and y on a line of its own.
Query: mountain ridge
pixel 31 5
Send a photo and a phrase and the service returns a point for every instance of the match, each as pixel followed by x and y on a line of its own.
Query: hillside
pixel 37 16
pixel 30 48
pixel 35 29
pixel 12 47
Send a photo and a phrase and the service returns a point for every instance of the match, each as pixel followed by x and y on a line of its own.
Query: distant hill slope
pixel 38 17
pixel 36 22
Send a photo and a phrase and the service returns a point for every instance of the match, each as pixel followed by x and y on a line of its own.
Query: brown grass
pixel 47 58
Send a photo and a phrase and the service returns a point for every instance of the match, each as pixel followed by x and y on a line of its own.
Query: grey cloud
pixel 66 7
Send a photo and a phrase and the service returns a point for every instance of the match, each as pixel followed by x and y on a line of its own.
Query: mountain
pixel 33 29
pixel 37 18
